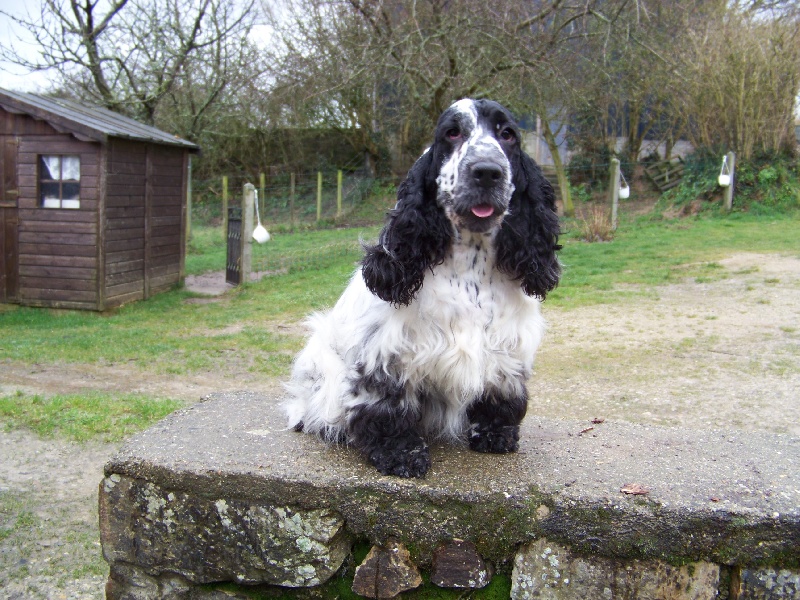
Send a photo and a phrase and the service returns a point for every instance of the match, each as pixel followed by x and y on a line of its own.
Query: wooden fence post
pixel 338 194
pixel 291 201
pixel 319 195
pixel 248 210
pixel 729 189
pixel 225 204
pixel 262 185
pixel 613 190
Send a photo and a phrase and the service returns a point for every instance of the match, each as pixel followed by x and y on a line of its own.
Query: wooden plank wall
pixel 125 222
pixel 143 233
pixel 57 248
pixel 166 217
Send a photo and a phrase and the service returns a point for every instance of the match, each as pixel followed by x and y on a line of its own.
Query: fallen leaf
pixel 585 430
pixel 634 489
pixel 714 499
pixel 597 421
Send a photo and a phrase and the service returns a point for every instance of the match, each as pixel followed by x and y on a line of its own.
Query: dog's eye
pixel 453 134
pixel 508 135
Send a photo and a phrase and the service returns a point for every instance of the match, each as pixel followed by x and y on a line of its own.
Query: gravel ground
pixel 724 354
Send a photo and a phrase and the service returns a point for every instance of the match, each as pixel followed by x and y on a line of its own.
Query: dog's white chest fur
pixel 475 329
pixel 469 331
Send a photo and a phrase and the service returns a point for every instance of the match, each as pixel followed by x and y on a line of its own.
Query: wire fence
pixel 308 197
pixel 304 200
pixel 289 199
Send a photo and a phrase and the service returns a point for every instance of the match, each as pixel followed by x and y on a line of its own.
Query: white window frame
pixel 72 176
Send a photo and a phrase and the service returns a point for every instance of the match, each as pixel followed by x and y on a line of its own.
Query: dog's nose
pixel 487 174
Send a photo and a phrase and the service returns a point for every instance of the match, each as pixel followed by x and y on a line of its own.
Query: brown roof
pixel 86 122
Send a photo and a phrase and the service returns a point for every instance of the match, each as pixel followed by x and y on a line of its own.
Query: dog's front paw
pixel 501 440
pixel 408 461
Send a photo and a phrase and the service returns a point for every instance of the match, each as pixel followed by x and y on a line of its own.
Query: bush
pixel 596 226
pixel 765 184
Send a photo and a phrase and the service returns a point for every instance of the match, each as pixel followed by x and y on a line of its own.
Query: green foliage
pixel 340 587
pixel 699 180
pixel 768 184
pixel 764 185
pixel 82 417
pixel 581 192
pixel 589 167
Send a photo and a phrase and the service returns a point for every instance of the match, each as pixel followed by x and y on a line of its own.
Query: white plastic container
pixel 260 234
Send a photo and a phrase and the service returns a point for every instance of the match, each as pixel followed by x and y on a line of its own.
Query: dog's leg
pixel 386 428
pixel 494 422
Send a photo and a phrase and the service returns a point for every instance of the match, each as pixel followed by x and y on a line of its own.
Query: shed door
pixel 9 220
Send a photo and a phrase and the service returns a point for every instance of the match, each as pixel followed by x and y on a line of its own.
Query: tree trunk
pixel 561 173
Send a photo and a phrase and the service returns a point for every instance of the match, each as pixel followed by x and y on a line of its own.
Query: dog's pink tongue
pixel 483 210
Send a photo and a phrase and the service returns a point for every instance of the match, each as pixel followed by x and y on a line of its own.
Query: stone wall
pixel 220 501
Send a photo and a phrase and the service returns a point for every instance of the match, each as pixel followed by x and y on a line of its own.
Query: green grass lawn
pixel 167 334
pixel 649 252
pixel 83 417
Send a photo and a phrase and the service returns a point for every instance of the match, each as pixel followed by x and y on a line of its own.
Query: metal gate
pixel 233 264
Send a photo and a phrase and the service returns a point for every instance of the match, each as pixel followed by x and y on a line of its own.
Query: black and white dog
pixel 435 335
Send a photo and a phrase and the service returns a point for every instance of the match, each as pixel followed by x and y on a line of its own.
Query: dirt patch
pixel 213 284
pixel 210 284
pixel 714 354
pixel 721 354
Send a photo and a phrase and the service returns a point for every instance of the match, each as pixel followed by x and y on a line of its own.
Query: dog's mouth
pixel 482 211
pixel 480 217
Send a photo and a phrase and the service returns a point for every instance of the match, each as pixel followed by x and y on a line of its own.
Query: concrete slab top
pixel 742 489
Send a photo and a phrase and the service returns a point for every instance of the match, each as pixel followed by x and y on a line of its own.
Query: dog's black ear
pixel 528 239
pixel 415 237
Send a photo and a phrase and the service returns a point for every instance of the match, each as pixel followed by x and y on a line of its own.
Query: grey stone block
pixel 552 572
pixel 201 493
pixel 217 539
pixel 767 584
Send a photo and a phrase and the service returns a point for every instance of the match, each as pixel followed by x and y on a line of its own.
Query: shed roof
pixel 89 123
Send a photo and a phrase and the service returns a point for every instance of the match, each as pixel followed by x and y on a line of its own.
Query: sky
pixel 11 76
pixel 15 78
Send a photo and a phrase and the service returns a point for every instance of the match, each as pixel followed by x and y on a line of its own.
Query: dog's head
pixel 475 176
pixel 476 140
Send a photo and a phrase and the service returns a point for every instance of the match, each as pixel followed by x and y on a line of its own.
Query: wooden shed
pixel 92 205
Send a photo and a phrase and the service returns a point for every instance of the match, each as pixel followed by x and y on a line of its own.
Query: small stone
pixel 457 564
pixel 386 572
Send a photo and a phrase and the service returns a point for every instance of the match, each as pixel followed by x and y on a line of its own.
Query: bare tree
pixel 129 55
pixel 392 66
pixel 742 81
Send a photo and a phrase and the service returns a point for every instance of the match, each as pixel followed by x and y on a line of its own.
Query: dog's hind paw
pixel 413 461
pixel 498 441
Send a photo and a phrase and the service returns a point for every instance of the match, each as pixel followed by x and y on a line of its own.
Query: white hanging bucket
pixel 260 233
pixel 624 188
pixel 724 178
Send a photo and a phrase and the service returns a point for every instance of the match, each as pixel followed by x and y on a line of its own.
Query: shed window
pixel 59 181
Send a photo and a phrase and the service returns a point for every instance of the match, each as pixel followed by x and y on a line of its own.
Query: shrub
pixel 764 184
pixel 596 226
